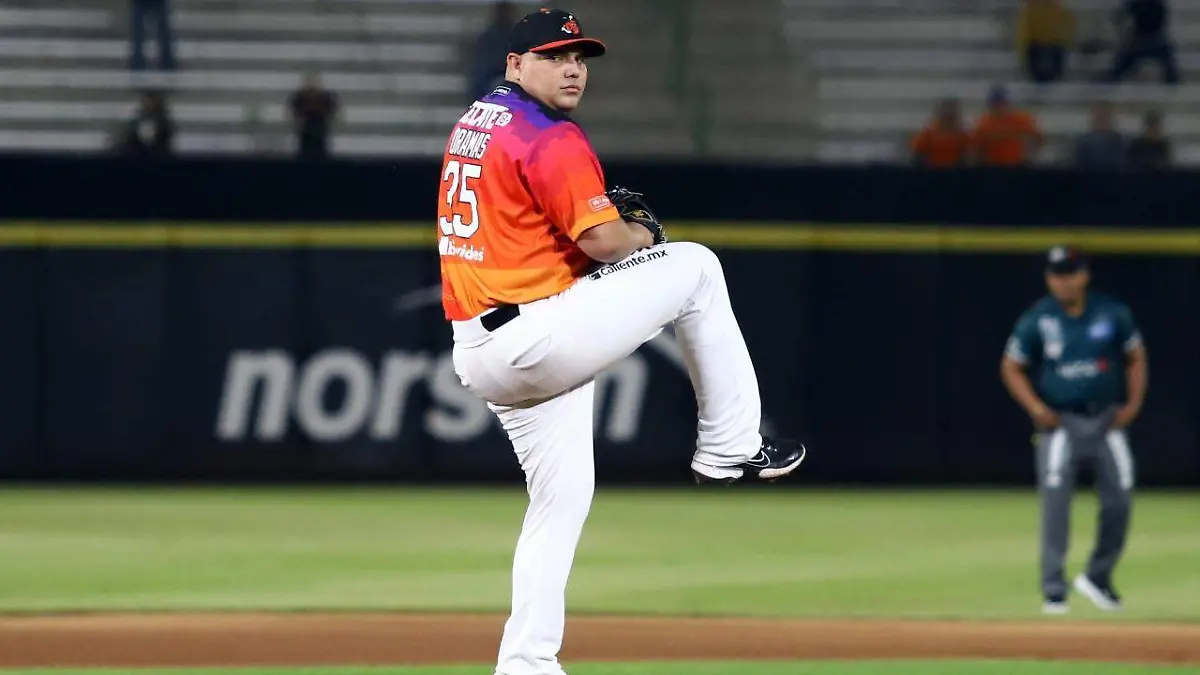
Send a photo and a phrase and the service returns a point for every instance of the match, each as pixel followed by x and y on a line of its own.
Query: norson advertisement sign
pixel 271 363
pixel 338 394
pixel 249 352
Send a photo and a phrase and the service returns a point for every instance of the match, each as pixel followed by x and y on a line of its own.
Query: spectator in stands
pixel 1151 150
pixel 944 142
pixel 313 112
pixel 1143 28
pixel 1045 34
pixel 1102 146
pixel 490 52
pixel 141 12
pixel 150 133
pixel 1005 135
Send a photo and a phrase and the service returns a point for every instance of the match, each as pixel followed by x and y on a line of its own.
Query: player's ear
pixel 514 66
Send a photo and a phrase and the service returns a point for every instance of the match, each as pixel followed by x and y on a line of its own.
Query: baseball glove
pixel 633 208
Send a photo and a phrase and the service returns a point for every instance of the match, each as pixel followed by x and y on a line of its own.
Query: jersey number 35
pixel 460 200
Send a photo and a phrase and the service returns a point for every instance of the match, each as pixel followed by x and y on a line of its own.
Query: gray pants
pixel 1083 441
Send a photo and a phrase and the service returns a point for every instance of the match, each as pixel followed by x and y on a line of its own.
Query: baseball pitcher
pixel 1090 387
pixel 548 279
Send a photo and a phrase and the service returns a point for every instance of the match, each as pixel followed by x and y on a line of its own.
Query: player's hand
pixel 1045 418
pixel 647 238
pixel 1125 417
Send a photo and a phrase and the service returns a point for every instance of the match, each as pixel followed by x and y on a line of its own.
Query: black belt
pixel 500 316
pixel 1083 409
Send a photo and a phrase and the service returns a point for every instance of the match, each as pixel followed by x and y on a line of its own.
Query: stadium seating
pixel 881 65
pixel 398 67
pixel 836 80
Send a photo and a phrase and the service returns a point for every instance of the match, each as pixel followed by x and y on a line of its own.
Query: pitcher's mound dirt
pixel 308 639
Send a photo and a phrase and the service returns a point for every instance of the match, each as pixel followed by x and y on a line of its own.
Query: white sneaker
pixel 1103 598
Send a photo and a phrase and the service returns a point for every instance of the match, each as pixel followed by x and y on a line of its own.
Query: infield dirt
pixel 168 640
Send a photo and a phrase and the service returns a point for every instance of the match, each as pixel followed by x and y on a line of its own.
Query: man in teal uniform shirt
pixel 1090 380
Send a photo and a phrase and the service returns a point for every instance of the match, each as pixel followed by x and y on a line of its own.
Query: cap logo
pixel 571 26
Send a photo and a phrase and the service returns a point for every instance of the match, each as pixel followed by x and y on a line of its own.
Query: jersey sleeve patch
pixel 599 203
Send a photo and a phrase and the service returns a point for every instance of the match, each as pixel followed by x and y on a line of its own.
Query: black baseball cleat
pixel 776 458
pixel 1055 603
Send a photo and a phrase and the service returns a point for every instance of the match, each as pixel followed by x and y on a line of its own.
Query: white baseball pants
pixel 536 373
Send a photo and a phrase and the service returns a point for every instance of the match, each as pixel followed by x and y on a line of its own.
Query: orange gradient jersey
pixel 519 184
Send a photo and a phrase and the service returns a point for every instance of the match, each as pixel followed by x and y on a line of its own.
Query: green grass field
pixel 762 553
pixel 773 553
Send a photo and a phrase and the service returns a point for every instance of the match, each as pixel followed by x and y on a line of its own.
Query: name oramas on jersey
pixel 469 144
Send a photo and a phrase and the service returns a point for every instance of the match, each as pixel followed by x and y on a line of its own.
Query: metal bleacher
pixel 398 67
pixel 682 78
pixel 792 80
pixel 63 72
pixel 881 65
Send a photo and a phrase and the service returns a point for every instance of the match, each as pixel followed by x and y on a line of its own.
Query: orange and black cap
pixel 549 29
